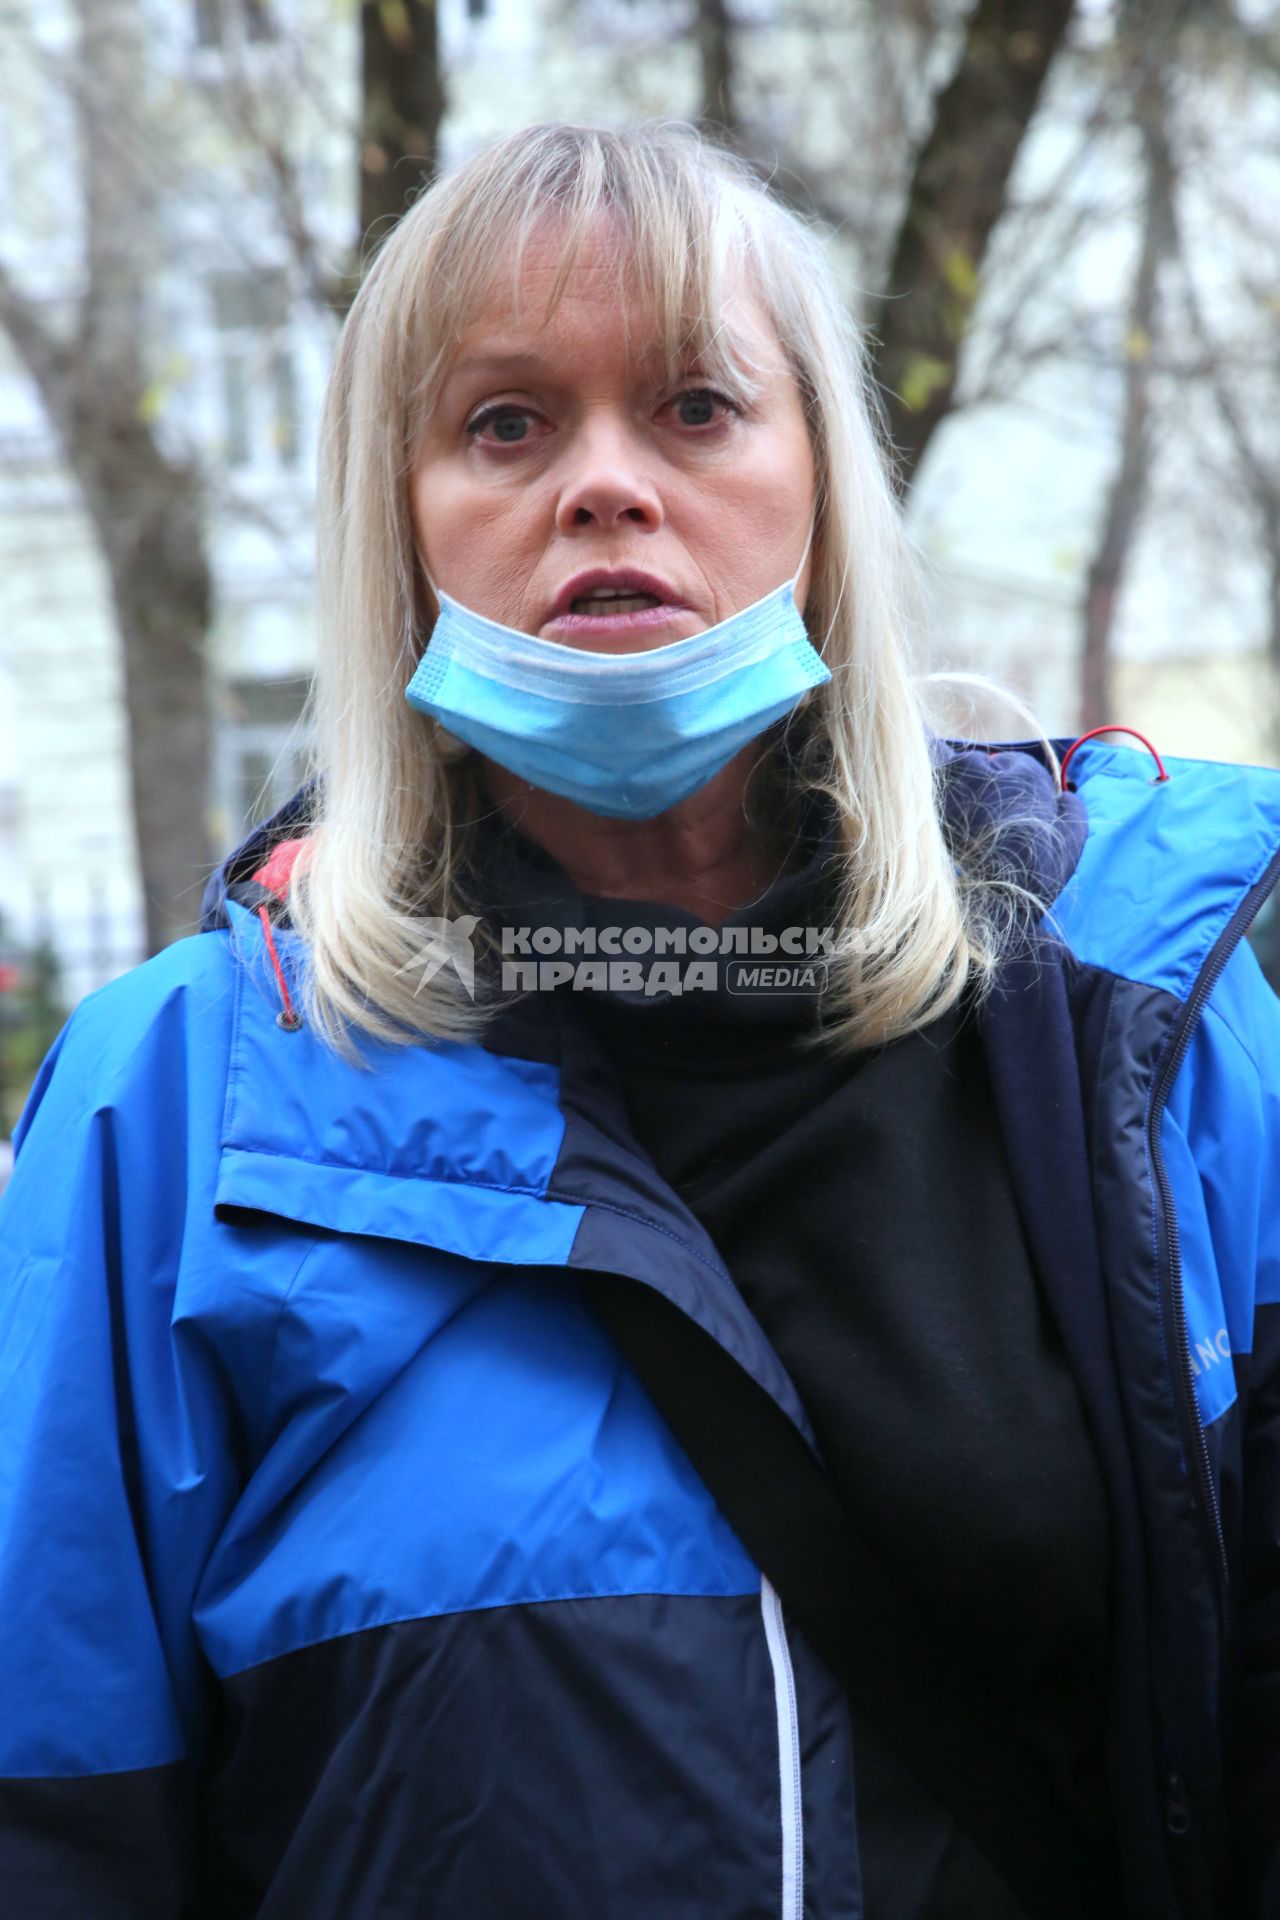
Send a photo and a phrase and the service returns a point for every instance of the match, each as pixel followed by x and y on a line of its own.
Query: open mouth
pixel 604 602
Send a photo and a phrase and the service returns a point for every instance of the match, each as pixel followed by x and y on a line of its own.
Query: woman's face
pixel 557 451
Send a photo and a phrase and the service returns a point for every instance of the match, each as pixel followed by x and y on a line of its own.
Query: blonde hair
pixel 390 832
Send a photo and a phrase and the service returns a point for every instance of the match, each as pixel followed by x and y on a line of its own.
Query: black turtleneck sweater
pixel 865 1210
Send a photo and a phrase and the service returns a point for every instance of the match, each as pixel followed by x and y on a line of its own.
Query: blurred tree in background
pixel 92 353
pixel 88 352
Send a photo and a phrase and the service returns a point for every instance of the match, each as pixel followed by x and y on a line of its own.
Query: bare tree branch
pixel 957 194
pixel 1127 494
pixel 1262 481
pixel 714 31
pixel 46 357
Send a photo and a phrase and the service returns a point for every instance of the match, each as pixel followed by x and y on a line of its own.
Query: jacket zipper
pixel 1171 1276
pixel 789 1769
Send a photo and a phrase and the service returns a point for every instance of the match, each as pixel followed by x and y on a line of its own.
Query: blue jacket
pixel 347 1569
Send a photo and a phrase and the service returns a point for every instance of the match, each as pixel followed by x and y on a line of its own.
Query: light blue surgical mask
pixel 623 734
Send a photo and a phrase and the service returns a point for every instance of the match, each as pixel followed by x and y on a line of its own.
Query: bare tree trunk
pixel 144 505
pixel 716 55
pixel 957 194
pixel 403 104
pixel 1127 494
pixel 150 519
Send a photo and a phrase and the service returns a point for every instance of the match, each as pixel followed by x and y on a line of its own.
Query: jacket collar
pixel 982 788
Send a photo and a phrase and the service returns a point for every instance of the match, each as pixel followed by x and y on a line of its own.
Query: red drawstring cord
pixel 288 1019
pixel 1092 735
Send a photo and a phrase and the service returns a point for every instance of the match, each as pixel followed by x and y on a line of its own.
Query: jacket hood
pixel 257 870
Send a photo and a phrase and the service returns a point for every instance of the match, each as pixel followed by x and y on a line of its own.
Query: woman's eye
pixel 699 406
pixel 509 423
pixel 506 424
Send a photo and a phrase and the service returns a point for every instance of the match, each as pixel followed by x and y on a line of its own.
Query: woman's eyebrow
pixel 494 363
pixel 526 360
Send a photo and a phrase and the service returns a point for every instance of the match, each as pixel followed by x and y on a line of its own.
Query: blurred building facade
pixel 1003 514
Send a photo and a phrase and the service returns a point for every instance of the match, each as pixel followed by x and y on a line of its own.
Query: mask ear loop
pixel 804 554
pixel 449 747
pixel 820 651
pixel 806 698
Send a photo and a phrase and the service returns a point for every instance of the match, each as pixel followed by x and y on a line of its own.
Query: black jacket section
pixel 863 1206
pixel 586 1739
pixel 1256 1772
pixel 132 1857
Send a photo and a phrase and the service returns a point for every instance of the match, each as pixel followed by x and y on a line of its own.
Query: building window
pixel 217 19
pixel 260 752
pixel 259 383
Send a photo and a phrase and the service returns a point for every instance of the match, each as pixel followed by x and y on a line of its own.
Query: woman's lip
pixel 605 626
pixel 619 580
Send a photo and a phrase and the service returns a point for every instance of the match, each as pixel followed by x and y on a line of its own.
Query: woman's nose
pixel 607 482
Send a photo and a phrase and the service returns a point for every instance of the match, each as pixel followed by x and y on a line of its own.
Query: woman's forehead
pixel 533 267
pixel 555 286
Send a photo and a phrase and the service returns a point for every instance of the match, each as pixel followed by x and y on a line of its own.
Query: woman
pixel 674 1307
